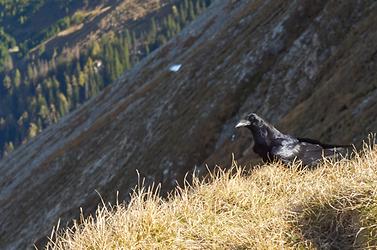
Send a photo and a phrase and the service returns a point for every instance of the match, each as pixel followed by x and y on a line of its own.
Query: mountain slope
pixel 277 58
pixel 77 56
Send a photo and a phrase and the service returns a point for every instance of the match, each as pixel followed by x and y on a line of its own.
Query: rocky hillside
pixel 308 66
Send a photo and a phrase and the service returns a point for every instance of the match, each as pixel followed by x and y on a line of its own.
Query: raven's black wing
pixel 309 153
pixel 323 145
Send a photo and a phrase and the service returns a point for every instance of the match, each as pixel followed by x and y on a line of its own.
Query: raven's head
pixel 252 120
pixel 258 127
pixel 262 131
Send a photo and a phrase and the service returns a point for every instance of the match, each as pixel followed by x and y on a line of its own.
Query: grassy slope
pixel 270 207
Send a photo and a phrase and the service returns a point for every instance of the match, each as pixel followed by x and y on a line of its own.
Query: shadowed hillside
pixel 307 66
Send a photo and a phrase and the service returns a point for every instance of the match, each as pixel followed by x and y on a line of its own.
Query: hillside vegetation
pixel 270 207
pixel 50 73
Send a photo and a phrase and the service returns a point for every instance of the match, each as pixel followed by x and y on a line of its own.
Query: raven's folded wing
pixel 323 145
pixel 311 154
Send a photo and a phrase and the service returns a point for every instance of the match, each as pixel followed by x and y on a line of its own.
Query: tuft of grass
pixel 269 207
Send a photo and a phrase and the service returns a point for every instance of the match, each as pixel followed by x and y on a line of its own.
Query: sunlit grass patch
pixel 270 207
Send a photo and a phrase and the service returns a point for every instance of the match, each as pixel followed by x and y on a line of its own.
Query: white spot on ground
pixel 175 67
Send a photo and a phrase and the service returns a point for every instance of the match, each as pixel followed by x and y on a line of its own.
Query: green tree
pixel 8 148
pixel 17 78
pixel 96 49
pixel 7 83
pixel 127 62
pixel 63 104
pixel 32 131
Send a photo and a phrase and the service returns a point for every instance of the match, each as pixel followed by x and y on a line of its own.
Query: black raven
pixel 271 144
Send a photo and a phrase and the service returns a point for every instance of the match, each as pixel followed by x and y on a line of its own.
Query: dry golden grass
pixel 271 207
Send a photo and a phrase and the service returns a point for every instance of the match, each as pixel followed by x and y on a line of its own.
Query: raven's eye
pixel 252 118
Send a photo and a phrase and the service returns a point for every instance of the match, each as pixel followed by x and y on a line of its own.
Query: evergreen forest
pixel 38 87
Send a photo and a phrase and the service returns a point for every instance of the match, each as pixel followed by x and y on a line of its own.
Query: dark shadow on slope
pixel 327 227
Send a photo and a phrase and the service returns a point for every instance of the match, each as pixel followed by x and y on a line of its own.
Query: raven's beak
pixel 243 123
